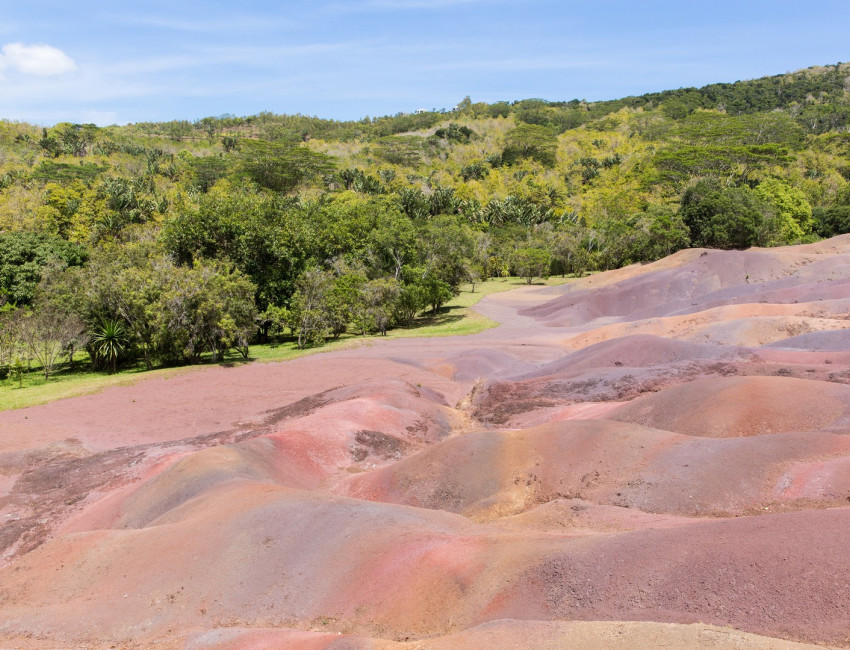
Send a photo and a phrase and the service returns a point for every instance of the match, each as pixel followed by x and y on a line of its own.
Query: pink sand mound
pixel 500 473
pixel 536 635
pixel 633 351
pixel 260 556
pixel 473 364
pixel 693 281
pixel 626 461
pixel 496 473
pixel 741 406
pixel 829 340
pixel 715 571
pixel 597 635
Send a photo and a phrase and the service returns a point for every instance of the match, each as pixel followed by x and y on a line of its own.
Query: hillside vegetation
pixel 167 242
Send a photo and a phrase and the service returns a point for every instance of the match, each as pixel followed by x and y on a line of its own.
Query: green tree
pixel 831 221
pixel 140 277
pixel 273 321
pixel 723 217
pixel 230 143
pixel 280 167
pixel 474 171
pixel 679 163
pixel 210 306
pixel 123 283
pixel 71 209
pixel 206 171
pixel 791 210
pixel 437 291
pixel 445 246
pixel 24 256
pixel 571 249
pixel 404 150
pixel 666 233
pixel 11 337
pixel 309 312
pixel 375 309
pixel 412 297
pixel 530 263
pixel 343 296
pixel 478 266
pixel 343 225
pixel 393 242
pixel 268 238
pixel 530 141
pixel 455 132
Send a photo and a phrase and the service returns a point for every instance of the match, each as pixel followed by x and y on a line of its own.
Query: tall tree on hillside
pixel 724 217
pixel 282 168
pixel 530 141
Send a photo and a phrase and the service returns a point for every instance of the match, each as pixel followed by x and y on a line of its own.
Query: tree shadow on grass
pixel 234 363
pixel 444 316
pixel 232 359
pixel 447 315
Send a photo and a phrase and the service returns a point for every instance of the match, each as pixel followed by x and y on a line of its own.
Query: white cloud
pixel 36 60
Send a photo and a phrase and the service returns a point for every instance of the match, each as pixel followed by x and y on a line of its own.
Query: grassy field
pixel 456 318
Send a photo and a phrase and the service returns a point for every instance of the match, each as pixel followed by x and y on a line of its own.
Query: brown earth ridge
pixel 654 456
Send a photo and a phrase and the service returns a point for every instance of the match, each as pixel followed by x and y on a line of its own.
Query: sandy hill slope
pixel 655 456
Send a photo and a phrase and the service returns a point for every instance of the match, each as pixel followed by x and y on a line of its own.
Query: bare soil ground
pixel 655 456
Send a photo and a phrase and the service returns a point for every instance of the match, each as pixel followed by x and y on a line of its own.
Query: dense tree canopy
pixel 23 258
pixel 723 217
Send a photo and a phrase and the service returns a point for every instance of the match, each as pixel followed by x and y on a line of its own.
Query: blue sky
pixel 109 62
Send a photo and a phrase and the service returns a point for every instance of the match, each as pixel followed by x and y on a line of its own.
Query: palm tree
pixel 109 341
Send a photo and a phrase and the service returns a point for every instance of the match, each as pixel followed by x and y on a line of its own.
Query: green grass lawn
pixel 456 318
pixel 38 390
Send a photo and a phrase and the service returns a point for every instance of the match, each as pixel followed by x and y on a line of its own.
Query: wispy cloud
pixel 517 64
pixel 36 60
pixel 253 57
pixel 190 24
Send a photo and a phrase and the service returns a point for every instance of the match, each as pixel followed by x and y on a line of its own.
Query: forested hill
pixel 180 233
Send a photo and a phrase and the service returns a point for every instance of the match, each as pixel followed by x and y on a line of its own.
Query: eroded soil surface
pixel 654 456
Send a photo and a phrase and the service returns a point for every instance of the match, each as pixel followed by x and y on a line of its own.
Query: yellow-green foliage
pixel 792 209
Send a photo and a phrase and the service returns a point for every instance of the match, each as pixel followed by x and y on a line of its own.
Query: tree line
pixel 166 243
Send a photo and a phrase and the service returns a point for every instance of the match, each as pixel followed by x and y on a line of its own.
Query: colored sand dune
pixel 654 456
